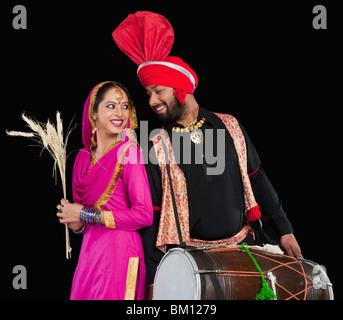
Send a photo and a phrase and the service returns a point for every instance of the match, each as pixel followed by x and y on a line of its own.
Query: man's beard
pixel 173 113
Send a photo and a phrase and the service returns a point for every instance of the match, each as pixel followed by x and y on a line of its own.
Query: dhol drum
pixel 228 273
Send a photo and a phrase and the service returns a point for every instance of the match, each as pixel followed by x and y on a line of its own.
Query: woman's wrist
pixel 81 230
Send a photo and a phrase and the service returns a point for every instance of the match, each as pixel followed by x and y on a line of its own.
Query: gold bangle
pixel 109 219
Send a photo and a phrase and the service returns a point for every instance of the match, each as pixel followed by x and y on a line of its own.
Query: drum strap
pixel 258 229
pixel 182 243
pixel 208 265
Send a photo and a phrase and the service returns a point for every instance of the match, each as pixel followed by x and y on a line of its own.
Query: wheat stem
pixel 52 140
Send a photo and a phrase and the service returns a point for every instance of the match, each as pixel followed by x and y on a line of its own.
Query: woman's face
pixel 113 112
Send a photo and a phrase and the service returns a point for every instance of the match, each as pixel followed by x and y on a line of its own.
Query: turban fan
pixel 147 38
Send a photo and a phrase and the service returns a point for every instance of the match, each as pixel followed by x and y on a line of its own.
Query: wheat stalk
pixel 50 139
pixel 20 134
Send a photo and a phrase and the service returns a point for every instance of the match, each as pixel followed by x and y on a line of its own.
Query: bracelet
pixel 81 230
pixel 90 216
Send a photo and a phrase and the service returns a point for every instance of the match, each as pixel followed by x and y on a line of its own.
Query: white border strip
pixel 173 66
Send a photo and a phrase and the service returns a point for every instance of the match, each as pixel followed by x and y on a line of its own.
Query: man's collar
pixel 208 115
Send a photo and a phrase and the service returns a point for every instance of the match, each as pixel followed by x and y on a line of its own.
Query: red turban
pixel 147 38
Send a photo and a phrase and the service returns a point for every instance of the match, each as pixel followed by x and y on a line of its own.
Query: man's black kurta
pixel 216 202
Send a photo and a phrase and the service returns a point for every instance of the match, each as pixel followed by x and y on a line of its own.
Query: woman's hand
pixel 70 213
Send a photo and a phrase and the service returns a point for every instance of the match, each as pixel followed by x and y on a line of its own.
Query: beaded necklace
pixel 193 127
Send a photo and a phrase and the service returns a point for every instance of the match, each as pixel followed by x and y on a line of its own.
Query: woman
pixel 112 199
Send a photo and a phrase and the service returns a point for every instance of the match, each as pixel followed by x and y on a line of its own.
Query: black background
pixel 260 61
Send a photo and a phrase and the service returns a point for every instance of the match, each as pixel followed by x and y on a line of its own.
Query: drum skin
pixel 238 278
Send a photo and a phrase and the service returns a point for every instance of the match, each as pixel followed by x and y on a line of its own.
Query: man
pixel 216 203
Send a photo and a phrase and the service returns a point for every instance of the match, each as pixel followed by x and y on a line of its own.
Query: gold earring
pixel 94 130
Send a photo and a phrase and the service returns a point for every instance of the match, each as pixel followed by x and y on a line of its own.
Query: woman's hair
pixel 102 91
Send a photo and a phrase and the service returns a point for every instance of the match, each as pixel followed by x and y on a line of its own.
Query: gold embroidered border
pixel 114 180
pixel 109 148
pixel 133 118
pixel 131 278
pixel 109 219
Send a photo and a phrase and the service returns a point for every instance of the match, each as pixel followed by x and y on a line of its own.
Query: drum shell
pixel 242 281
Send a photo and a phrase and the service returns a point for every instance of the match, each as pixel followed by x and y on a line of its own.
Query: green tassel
pixel 266 293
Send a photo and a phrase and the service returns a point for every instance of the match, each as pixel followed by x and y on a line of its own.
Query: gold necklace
pixel 191 123
pixel 193 127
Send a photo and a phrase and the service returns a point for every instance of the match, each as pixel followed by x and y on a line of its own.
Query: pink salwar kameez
pixel 111 261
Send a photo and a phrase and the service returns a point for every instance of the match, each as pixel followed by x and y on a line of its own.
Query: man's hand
pixel 290 245
pixel 150 292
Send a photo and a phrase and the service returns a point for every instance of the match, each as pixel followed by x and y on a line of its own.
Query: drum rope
pixel 287 265
pixel 260 272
